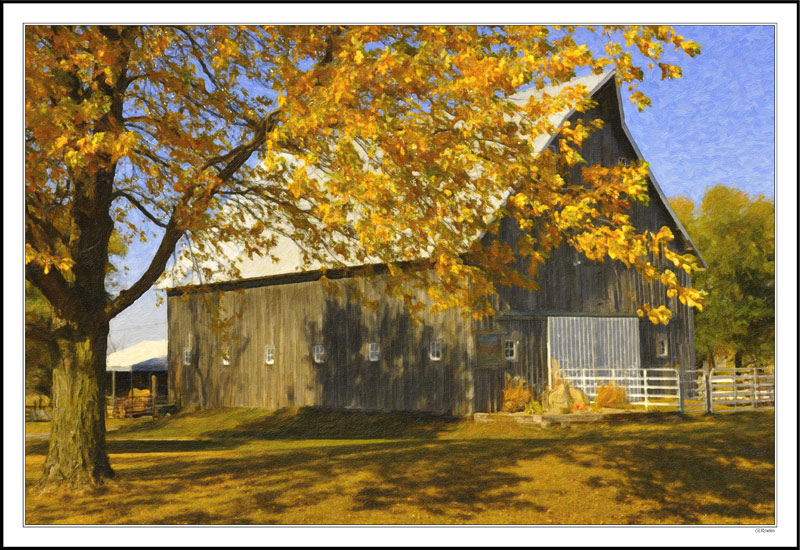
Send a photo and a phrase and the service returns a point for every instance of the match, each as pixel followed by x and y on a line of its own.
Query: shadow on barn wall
pixel 403 378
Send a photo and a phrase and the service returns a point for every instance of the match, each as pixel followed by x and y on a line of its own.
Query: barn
pixel 294 343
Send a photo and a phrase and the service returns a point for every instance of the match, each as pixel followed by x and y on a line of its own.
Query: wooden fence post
pixel 646 392
pixel 755 388
pixel 680 389
pixel 153 390
pixel 707 386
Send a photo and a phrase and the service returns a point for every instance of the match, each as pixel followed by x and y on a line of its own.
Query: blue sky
pixel 714 125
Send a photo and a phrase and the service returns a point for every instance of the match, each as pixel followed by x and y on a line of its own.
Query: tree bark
pixel 77 454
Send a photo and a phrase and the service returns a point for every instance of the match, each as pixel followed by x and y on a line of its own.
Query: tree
pixel 736 235
pixel 355 142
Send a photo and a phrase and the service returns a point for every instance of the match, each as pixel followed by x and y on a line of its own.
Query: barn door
pixel 489 374
pixel 592 351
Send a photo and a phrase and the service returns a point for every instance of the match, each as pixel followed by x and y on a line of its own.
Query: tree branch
pixel 55 288
pixel 157 265
pixel 138 205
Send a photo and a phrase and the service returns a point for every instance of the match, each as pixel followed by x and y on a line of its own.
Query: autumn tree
pixel 736 234
pixel 388 143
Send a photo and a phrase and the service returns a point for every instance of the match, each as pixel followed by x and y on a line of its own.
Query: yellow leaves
pixel 519 200
pixel 660 315
pixel 424 106
pixel 640 100
pixel 690 48
pixel 47 261
pixel 123 145
pixel 670 71
pixel 692 298
pixel 228 48
pixel 669 279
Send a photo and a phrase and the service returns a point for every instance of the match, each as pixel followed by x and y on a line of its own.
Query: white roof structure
pixel 147 356
pixel 290 257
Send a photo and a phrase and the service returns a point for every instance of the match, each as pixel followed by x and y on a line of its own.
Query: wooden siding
pixel 294 318
pixel 530 362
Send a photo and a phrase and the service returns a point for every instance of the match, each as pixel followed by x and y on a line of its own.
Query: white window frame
pixel 225 355
pixel 373 351
pixel 662 345
pixel 269 354
pixel 187 355
pixel 435 350
pixel 513 356
pixel 318 352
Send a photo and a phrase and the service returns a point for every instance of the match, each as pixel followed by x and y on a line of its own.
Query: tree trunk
pixel 77 454
pixel 710 358
pixel 737 359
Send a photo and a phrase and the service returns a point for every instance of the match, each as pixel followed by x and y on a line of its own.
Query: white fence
pixel 740 389
pixel 654 387
pixel 663 388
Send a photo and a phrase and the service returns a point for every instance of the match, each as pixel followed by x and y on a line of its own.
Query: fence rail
pixel 693 390
pixel 654 387
pixel 130 406
pixel 737 389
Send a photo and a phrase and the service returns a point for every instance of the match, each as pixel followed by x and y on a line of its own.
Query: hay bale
pixel 564 396
pixel 611 396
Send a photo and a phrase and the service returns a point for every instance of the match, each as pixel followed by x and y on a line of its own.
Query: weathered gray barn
pixel 298 345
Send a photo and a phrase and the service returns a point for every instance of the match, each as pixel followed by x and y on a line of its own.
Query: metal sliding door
pixel 589 351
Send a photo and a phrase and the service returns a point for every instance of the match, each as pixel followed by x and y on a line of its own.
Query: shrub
pixel 534 407
pixel 611 396
pixel 516 394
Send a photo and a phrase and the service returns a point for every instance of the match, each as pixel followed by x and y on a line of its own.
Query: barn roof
pixel 289 254
pixel 147 356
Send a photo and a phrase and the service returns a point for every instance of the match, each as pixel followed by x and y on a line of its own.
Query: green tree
pixel 736 235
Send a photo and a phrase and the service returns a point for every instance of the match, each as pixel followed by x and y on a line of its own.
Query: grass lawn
pixel 240 466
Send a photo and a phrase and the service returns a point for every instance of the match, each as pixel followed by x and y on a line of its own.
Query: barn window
pixel 623 161
pixel 226 355
pixel 435 352
pixel 373 351
pixel 319 353
pixel 269 355
pixel 510 350
pixel 662 348
pixel 187 356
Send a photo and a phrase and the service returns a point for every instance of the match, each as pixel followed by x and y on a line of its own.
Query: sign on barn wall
pixel 489 351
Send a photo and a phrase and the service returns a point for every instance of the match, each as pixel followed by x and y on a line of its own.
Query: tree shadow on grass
pixel 321 423
pixel 438 477
pixel 126 446
pixel 724 467
pixel 681 474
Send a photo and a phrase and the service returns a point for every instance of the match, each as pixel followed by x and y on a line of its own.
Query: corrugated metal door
pixel 588 350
